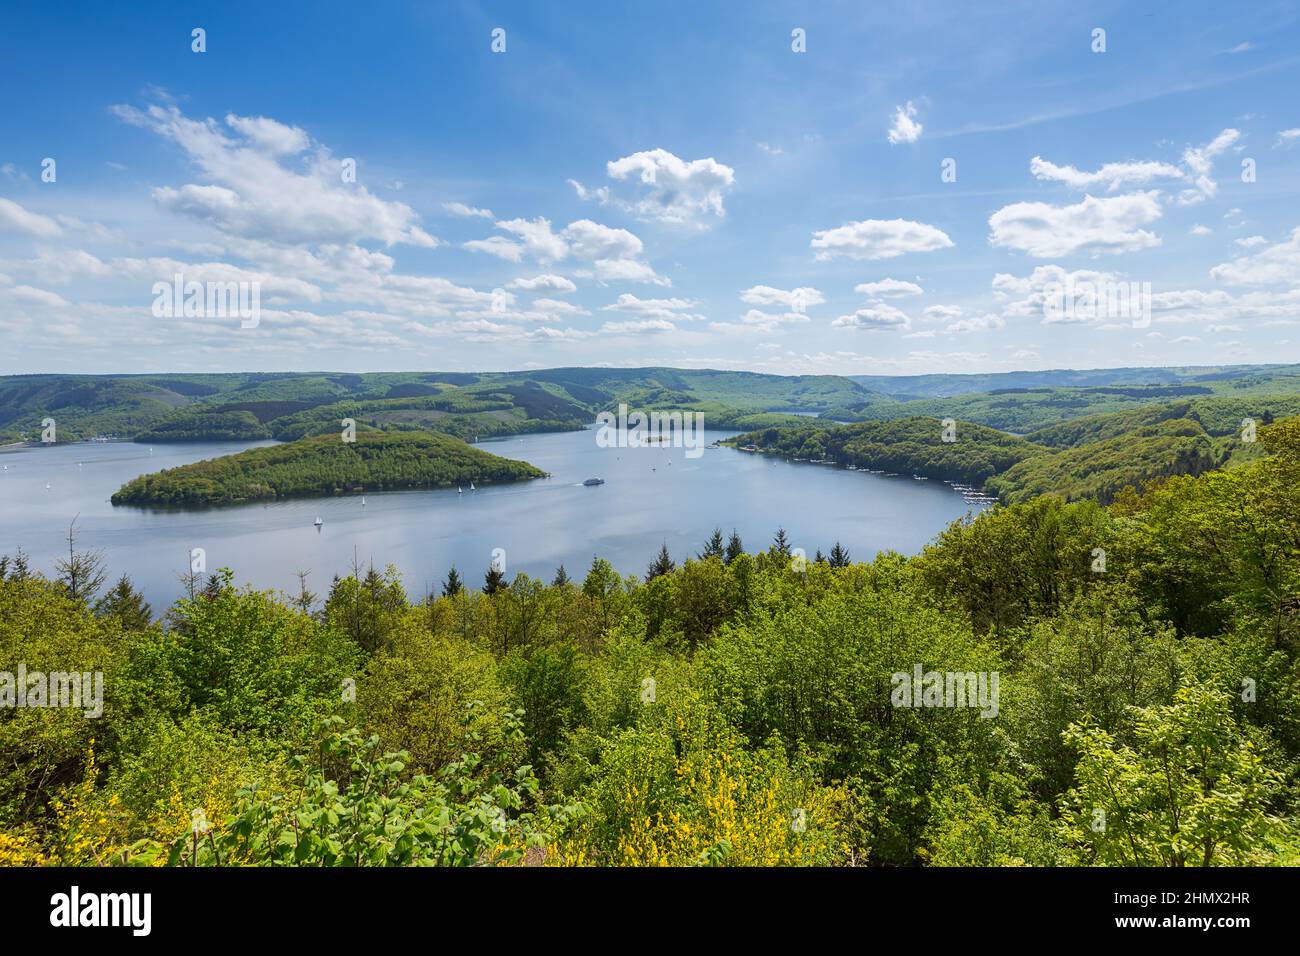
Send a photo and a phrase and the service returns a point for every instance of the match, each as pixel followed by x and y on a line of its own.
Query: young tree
pixel 561 579
pixel 713 548
pixel 453 585
pixel 819 558
pixel 305 598
pixel 82 574
pixel 494 580
pixel 662 564
pixel 781 544
pixel 734 548
pixel 839 556
pixel 126 604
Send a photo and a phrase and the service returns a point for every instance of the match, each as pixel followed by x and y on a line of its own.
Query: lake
pixel 650 496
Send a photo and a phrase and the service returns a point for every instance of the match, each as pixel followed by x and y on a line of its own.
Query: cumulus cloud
pixel 612 253
pixel 1110 225
pixel 674 190
pixel 251 190
pixel 878 239
pixel 672 309
pixel 876 318
pixel 888 288
pixel 790 299
pixel 905 128
pixel 1278 263
pixel 543 283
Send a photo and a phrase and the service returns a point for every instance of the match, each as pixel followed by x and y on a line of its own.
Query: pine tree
pixel 126 604
pixel 662 564
pixel 561 578
pixel 494 580
pixel 734 548
pixel 453 585
pixel 713 548
pixel 839 556
pixel 82 574
pixel 819 558
pixel 781 543
pixel 305 598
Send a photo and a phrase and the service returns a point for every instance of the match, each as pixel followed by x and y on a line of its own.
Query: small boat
pixel 318 522
pixel 47 486
pixel 363 501
pixel 460 490
pixel 471 487
pixel 920 478
pixel 591 482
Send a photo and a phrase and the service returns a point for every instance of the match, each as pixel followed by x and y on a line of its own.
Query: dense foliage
pixel 325 465
pixel 735 708
pixel 919 446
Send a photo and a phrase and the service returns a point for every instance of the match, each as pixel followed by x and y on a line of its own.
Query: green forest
pixel 735 706
pixel 325 465
pixel 1095 457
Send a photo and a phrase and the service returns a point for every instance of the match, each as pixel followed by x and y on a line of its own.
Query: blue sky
pixel 650 184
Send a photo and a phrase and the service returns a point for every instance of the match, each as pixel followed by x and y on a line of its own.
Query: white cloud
pixel 1199 230
pixel 767 321
pixel 460 209
pixel 1112 175
pixel 800 298
pixel 888 288
pixel 1288 137
pixel 653 308
pixel 640 327
pixel 15 218
pixel 1200 160
pixel 626 270
pixel 1110 225
pixel 878 239
pixel 268 135
pixel 675 190
pixel 498 246
pixel 249 192
pixel 592 241
pixel 875 318
pixel 939 312
pixel 905 129
pixel 1279 263
pixel 543 283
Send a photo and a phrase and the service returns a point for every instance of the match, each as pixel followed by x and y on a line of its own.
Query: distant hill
pixel 289 405
pixel 325 465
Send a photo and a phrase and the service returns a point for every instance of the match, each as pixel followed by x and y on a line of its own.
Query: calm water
pixel 651 495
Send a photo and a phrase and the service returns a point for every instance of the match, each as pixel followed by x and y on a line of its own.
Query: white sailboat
pixel 460 490
pixel 318 522
pixel 363 501
pixel 471 487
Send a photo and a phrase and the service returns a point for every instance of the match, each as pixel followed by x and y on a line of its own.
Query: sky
pixel 839 188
